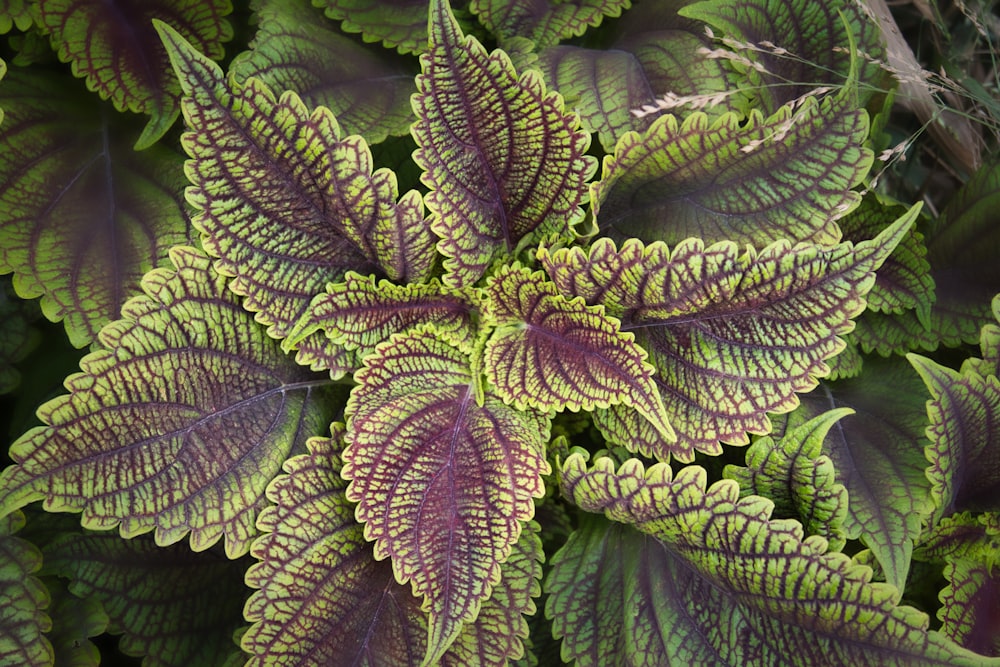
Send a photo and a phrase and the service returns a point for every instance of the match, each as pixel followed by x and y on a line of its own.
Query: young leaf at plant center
pixel 17 336
pixel 82 215
pixel 442 482
pixel 878 455
pixel 794 475
pixel 359 313
pixel 964 413
pixel 177 423
pixel 551 353
pixel 969 612
pixel 546 24
pixel 719 582
pixel 22 619
pixel 323 599
pixel 174 606
pixel 504 161
pixel 284 202
pixel 115 48
pixel 295 48
pixel 751 181
pixel 732 337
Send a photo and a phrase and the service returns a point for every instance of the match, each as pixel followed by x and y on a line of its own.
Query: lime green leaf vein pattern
pixel 442 482
pixel 969 606
pixel 731 336
pixel 544 23
pixel 82 215
pixel 114 47
pixel 178 423
pixel 284 201
pixel 22 619
pixel 399 24
pixel 787 176
pixel 553 353
pixel 505 163
pixel 723 584
pixel 174 606
pixel 323 598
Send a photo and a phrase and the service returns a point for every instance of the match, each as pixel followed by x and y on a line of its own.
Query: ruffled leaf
pixel 964 413
pixel 504 162
pixel 443 482
pixel 82 215
pixel 963 536
pixel 177 423
pixel 323 598
pixel 878 455
pixel 970 611
pixel 399 24
pixel 551 353
pixel 295 48
pixel 284 202
pixel 712 580
pixel 800 480
pixel 114 47
pixel 15 14
pixel 22 619
pixel 751 181
pixel 732 337
pixel 544 23
pixel 174 606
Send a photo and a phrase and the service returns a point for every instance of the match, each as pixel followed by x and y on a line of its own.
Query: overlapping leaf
pixel 505 163
pixel 295 48
pixel 284 201
pixel 545 23
pixel 554 354
pixel 963 536
pixel 174 606
pixel 731 336
pixel 443 482
pixel 22 619
pixel 114 47
pixel 878 455
pixel 969 612
pixel 801 481
pixel 399 24
pixel 323 598
pixel 75 622
pixel 752 181
pixel 82 215
pixel 711 579
pixel 178 423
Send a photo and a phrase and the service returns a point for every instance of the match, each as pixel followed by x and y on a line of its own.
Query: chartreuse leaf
pixel 359 313
pixel 15 13
pixel 174 606
pixel 443 482
pixel 22 619
pixel 800 480
pixel 82 215
pixel 962 536
pixel 752 181
pixel 707 578
pixel 989 343
pixel 545 24
pixel 878 455
pixel 969 606
pixel 505 163
pixel 552 353
pixel 732 337
pixel 964 413
pixel 283 200
pixel 295 48
pixel 114 47
pixel 177 422
pixel 323 599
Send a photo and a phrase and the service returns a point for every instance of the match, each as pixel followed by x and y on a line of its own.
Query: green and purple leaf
pixel 707 578
pixel 553 353
pixel 751 181
pixel 284 201
pixel 544 23
pixel 399 24
pixel 174 606
pixel 22 619
pixel 732 336
pixel 15 14
pixel 443 482
pixel 962 536
pixel 970 611
pixel 323 599
pixel 295 48
pixel 82 215
pixel 504 161
pixel 177 423
pixel 114 47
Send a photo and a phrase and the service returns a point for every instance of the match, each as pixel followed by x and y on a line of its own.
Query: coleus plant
pixel 533 408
